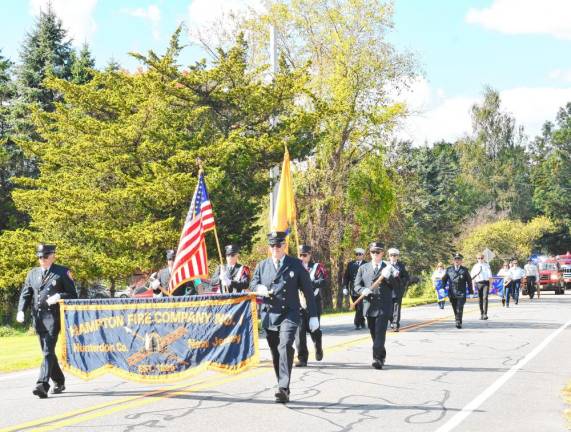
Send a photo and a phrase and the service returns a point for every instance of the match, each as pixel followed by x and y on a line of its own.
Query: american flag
pixel 191 261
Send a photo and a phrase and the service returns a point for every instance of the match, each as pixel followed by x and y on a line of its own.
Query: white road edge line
pixel 482 397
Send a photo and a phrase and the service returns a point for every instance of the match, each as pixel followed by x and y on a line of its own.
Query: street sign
pixel 488 255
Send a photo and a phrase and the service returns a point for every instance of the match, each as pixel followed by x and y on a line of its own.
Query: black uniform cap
pixel 231 249
pixel 376 246
pixel 457 255
pixel 45 249
pixel 304 249
pixel 276 237
pixel 170 254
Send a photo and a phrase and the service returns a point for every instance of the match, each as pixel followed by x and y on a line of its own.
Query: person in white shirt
pixel 437 275
pixel 482 278
pixel 504 273
pixel 532 277
pixel 514 277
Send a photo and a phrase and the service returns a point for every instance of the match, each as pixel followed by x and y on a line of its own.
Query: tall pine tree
pixel 83 65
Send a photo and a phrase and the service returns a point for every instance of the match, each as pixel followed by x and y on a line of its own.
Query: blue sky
pixel 516 46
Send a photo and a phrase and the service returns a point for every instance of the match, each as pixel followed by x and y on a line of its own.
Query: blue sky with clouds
pixel 516 46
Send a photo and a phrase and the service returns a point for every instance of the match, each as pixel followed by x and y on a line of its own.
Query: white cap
pixel 393 251
pixel 359 251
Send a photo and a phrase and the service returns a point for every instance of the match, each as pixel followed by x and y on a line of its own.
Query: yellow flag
pixel 283 218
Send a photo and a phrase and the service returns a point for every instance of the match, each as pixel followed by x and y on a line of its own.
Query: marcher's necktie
pixel 277 265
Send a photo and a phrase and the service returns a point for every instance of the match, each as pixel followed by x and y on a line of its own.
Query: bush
pixel 423 289
pixel 6 331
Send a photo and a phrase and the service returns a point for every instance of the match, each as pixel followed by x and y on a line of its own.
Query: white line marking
pixel 482 397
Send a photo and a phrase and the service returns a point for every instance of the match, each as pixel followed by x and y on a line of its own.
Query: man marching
pixel 460 280
pixel 377 301
pixel 235 277
pixel 482 276
pixel 160 280
pixel 318 276
pixel 349 286
pixel 279 279
pixel 397 278
pixel 44 287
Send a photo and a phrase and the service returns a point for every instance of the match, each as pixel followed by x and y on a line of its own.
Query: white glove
pixel 396 273
pixel 366 292
pixel 313 324
pixel 386 272
pixel 153 276
pixel 345 291
pixel 53 299
pixel 155 284
pixel 262 290
pixel 20 317
pixel 225 280
pixel 316 292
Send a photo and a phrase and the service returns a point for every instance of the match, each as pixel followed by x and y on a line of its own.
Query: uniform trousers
pixel 378 329
pixel 281 346
pixel 301 337
pixel 458 307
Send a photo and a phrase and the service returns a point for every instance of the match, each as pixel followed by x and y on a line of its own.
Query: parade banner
pixel 497 286
pixel 442 292
pixel 159 339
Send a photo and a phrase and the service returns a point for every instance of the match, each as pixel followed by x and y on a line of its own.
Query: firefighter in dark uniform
pixel 377 302
pixel 398 280
pixel 318 276
pixel 160 280
pixel 235 276
pixel 279 280
pixel 460 280
pixel 349 286
pixel 44 287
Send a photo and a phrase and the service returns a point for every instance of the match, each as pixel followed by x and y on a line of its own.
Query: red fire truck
pixel 550 275
pixel 564 262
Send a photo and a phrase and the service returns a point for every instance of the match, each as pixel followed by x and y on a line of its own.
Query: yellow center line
pixel 107 408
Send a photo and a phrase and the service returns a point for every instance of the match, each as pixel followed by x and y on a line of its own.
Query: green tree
pixel 432 202
pixel 354 69
pixel 552 177
pixel 495 162
pixel 118 159
pixel 83 64
pixel 8 163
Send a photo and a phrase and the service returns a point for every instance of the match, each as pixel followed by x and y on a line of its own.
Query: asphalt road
pixel 505 374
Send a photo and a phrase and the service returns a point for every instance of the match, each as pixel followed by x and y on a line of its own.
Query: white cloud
pixel 76 16
pixel 549 17
pixel 214 20
pixel 560 75
pixel 152 14
pixel 436 118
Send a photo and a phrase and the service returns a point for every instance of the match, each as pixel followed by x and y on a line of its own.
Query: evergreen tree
pixel 82 66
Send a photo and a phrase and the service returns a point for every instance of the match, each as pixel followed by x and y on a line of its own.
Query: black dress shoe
pixel 282 395
pixel 396 328
pixel 378 364
pixel 40 391
pixel 482 316
pixel 485 317
pixel 58 388
pixel 458 324
pixel 300 363
pixel 319 354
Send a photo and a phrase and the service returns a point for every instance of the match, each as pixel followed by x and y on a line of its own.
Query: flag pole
pixel 222 266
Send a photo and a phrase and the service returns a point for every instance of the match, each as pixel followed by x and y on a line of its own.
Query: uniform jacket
pixel 460 281
pixel 285 285
pixel 351 274
pixel 399 284
pixel 239 277
pixel 380 301
pixel 37 289
pixel 319 278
